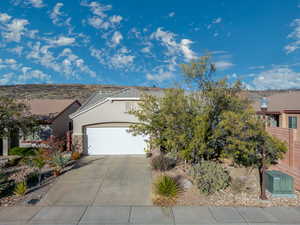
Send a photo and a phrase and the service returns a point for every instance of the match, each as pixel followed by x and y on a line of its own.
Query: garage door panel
pixel 114 141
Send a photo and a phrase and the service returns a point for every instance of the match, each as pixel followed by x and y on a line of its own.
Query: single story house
pixel 280 110
pixel 100 125
pixel 53 117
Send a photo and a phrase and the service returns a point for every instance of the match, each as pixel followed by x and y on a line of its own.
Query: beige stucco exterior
pixel 61 123
pixel 285 122
pixel 110 113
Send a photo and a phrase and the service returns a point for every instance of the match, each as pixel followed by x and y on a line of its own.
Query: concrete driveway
pixel 103 181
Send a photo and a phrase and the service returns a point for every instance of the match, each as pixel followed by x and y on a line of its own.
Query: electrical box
pixel 279 184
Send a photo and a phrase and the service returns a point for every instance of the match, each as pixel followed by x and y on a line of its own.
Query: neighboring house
pixel 101 124
pixel 281 110
pixel 53 117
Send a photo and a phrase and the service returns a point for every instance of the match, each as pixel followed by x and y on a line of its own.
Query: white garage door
pixel 114 141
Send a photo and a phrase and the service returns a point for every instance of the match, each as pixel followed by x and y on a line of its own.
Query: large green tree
pixel 15 116
pixel 167 120
pixel 244 139
pixel 211 121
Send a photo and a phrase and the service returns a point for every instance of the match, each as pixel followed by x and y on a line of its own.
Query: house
pixel 100 125
pixel 53 117
pixel 280 110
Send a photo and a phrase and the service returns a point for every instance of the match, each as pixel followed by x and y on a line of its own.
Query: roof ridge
pixel 119 91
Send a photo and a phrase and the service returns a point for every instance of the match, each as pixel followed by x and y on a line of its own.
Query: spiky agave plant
pixel 167 186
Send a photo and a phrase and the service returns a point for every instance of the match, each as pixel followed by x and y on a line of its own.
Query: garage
pixel 100 125
pixel 114 141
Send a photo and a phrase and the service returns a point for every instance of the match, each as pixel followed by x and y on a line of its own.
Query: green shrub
pixel 32 179
pixel 162 163
pixel 59 161
pixel 24 152
pixel 167 186
pixel 20 189
pixel 210 177
pixel 3 182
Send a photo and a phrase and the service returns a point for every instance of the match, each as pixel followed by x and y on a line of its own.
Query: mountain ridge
pixel 83 91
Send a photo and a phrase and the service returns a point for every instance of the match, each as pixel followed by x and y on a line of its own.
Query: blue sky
pixel 136 42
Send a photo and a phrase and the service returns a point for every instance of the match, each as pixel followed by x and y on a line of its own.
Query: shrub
pixel 210 176
pixel 23 152
pixel 167 186
pixel 20 189
pixel 162 163
pixel 75 155
pixel 59 162
pixel 38 163
pixel 32 179
pixel 3 182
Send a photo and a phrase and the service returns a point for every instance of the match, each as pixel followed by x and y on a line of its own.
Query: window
pixel 293 122
pixel 130 106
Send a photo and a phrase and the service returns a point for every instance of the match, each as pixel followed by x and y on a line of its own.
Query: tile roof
pixel 124 93
pixel 281 101
pixel 48 107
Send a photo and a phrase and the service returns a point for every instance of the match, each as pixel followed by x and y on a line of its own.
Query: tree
pixel 212 121
pixel 244 139
pixel 213 97
pixel 167 120
pixel 15 116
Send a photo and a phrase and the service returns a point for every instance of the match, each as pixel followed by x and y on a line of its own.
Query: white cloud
pixel 121 60
pixel 223 65
pixel 14 30
pixel 36 3
pixel 173 48
pixel 186 50
pixel 97 8
pixel 116 38
pixel 56 13
pixel 278 77
pixel 17 50
pixel 115 19
pixel 171 14
pixel 66 62
pixel 6 78
pixel 100 18
pixel 4 17
pixel 62 41
pixel 160 76
pixel 217 20
pixel 295 35
pixel 9 63
pixel 33 75
pixel 98 23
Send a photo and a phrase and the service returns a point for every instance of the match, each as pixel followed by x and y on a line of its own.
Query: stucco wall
pixel 108 112
pixel 61 124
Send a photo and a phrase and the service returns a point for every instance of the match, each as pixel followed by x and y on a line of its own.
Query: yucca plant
pixel 38 163
pixel 20 189
pixel 167 186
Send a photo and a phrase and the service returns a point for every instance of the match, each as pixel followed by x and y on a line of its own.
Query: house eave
pixel 72 116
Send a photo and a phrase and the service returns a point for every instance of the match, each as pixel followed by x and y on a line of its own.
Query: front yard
pixel 242 190
pixel 28 173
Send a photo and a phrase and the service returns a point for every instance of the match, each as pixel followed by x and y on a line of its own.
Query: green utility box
pixel 279 184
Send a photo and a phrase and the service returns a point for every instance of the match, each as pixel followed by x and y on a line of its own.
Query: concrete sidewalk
pixel 71 215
